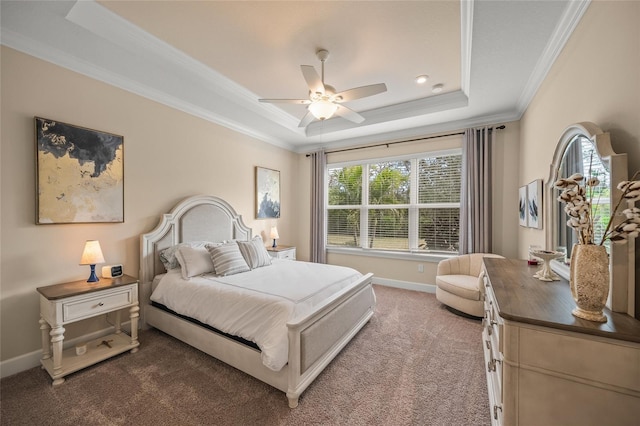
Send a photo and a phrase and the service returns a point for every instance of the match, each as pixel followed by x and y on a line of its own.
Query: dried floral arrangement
pixel 579 208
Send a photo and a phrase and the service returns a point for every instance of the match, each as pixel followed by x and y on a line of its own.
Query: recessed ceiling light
pixel 421 79
pixel 437 88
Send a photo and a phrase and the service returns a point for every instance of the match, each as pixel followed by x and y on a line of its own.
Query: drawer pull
pixel 495 411
pixel 488 344
pixel 492 322
pixel 100 304
pixel 490 325
pixel 491 365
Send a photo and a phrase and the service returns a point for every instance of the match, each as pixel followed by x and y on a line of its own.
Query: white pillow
pixel 227 259
pixel 168 255
pixel 254 253
pixel 194 261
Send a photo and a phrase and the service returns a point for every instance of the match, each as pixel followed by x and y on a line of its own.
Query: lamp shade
pixel 92 253
pixel 323 109
pixel 274 233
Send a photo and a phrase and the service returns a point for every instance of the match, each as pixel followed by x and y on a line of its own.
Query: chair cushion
pixel 465 286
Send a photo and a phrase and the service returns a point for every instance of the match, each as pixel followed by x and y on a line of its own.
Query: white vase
pixel 589 281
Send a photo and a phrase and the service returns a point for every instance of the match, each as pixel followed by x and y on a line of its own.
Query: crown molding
pixel 64 60
pixel 95 42
pixel 418 107
pixel 466 38
pixel 565 27
pixel 432 129
pixel 105 24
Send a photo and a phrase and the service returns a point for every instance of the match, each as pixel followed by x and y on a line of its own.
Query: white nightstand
pixel 282 252
pixel 66 303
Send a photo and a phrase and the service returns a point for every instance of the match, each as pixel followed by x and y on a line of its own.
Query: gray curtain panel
pixel 475 196
pixel 318 231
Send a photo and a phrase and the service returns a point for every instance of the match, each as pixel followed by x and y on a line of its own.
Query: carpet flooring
pixel 414 363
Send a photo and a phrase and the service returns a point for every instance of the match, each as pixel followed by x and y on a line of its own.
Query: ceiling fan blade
pixel 286 101
pixel 312 78
pixel 360 92
pixel 349 114
pixel 308 118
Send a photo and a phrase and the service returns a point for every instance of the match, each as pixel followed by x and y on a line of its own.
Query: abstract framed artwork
pixel 80 174
pixel 267 193
pixel 534 204
pixel 522 206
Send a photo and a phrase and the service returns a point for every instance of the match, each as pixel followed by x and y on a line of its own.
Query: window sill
pixel 388 254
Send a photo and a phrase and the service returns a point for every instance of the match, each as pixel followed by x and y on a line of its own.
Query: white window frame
pixel 413 208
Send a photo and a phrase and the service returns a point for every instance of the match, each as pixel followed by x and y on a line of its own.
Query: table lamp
pixel 91 255
pixel 274 235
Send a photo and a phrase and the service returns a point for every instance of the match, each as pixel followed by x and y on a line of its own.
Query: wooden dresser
pixel 546 367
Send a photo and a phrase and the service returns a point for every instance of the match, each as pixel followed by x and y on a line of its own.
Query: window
pixel 600 197
pixel 407 204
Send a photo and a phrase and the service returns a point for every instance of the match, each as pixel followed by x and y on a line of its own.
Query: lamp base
pixel 93 277
pixel 274 243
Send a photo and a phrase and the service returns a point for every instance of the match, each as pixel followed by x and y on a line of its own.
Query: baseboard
pixel 32 359
pixel 407 285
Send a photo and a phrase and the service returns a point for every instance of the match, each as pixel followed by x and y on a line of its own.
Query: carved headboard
pixel 197 218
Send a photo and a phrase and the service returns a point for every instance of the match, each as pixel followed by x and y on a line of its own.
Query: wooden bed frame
pixel 313 340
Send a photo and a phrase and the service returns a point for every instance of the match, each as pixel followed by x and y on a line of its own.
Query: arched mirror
pixel 584 148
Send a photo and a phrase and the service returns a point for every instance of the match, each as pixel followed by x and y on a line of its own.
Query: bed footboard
pixel 315 340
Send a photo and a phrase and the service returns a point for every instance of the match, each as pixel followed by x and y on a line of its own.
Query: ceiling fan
pixel 323 100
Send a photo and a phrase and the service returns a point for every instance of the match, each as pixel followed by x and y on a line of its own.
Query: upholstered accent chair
pixel 459 283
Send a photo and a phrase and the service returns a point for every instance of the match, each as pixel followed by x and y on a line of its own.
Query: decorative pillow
pixel 168 255
pixel 254 253
pixel 227 259
pixel 194 261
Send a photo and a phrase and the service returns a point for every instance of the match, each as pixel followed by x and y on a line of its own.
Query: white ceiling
pixel 215 59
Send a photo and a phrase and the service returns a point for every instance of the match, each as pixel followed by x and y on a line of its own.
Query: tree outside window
pixel 411 204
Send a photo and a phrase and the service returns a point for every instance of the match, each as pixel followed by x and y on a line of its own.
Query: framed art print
pixel 534 204
pixel 267 193
pixel 80 174
pixel 522 206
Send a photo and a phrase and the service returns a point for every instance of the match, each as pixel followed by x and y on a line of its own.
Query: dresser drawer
pixel 87 307
pixel 492 321
pixel 493 371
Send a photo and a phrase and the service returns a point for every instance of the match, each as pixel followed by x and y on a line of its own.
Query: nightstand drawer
pixel 282 252
pixel 289 254
pixel 100 303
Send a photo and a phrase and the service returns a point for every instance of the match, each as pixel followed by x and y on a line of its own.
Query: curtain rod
pixel 387 144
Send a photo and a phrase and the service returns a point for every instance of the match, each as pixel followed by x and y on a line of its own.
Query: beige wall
pixel 168 155
pixel 595 78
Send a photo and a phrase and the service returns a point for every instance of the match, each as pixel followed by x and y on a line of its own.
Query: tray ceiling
pixel 215 59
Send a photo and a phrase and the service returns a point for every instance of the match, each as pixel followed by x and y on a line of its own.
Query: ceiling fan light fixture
pixel 323 109
pixel 323 100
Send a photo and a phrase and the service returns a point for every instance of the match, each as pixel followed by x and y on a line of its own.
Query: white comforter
pixel 255 305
